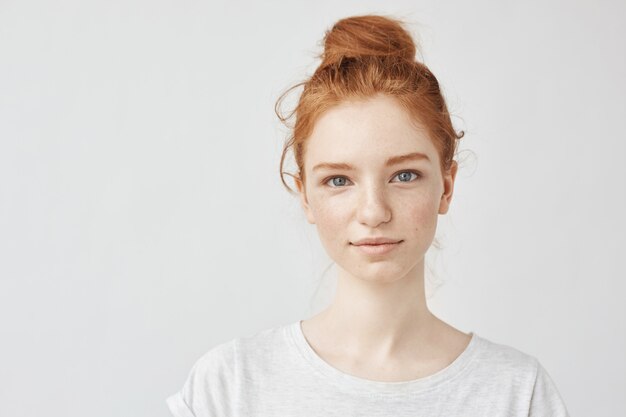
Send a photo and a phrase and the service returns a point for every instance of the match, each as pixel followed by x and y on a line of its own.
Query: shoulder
pixel 216 376
pixel 211 369
pixel 205 390
pixel 503 358
pixel 223 361
pixel 517 374
pixel 499 365
pixel 219 358
pixel 262 344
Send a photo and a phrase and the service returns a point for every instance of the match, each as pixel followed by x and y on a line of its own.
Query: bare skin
pixel 418 358
pixel 378 326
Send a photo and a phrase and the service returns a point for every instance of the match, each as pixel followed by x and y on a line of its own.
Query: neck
pixel 381 318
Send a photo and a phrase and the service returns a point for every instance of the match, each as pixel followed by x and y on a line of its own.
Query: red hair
pixel 364 56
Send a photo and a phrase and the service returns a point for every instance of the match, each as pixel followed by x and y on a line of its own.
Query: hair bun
pixel 367 35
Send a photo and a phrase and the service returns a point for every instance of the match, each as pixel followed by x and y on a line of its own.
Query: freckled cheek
pixel 421 214
pixel 332 222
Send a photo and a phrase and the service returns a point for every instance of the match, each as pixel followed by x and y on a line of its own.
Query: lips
pixel 375 241
pixel 377 249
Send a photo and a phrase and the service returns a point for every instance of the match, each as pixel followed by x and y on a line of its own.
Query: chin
pixel 380 271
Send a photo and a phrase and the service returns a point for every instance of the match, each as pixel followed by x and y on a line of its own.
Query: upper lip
pixel 375 241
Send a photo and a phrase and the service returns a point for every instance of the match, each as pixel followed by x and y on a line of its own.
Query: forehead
pixel 368 132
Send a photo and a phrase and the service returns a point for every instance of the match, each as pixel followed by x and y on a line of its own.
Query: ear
pixel 448 188
pixel 304 201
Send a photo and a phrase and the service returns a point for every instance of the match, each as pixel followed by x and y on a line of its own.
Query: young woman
pixel 374 147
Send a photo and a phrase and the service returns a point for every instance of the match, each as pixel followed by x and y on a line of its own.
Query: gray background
pixel 142 219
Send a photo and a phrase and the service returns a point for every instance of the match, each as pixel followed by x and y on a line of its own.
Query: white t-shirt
pixel 276 373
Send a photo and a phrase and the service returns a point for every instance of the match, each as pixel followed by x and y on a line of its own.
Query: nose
pixel 372 207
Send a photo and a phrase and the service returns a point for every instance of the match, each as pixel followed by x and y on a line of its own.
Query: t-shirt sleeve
pixel 178 406
pixel 206 391
pixel 546 401
pixel 180 403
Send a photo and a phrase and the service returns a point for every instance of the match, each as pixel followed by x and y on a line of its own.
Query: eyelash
pixel 418 175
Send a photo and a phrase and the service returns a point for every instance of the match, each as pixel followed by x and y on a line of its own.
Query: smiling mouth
pixel 379 249
pixel 377 244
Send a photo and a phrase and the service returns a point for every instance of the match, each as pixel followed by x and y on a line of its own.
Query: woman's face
pixel 358 187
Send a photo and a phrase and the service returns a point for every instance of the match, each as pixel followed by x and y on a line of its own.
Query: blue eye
pixel 409 177
pixel 335 184
pixel 343 179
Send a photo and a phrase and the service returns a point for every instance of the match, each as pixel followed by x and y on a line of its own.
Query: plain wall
pixel 143 221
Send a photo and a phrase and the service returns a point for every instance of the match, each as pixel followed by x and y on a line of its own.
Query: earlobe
pixel 304 201
pixel 444 204
pixel 448 183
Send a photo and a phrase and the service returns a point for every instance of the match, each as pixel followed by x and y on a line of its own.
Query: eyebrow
pixel 394 160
